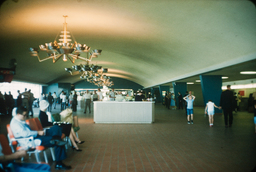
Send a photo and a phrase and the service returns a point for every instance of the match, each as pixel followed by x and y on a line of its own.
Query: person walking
pixel 226 103
pixel 209 109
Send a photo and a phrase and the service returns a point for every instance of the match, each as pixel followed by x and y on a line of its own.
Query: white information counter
pixel 124 112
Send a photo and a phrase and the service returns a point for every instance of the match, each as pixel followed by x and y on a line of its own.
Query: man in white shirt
pixel 87 97
pixel 55 98
pixel 100 96
pixel 112 95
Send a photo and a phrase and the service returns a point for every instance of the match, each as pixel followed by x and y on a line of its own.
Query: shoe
pixel 62 166
pixel 57 141
pixel 188 122
pixel 192 122
pixel 77 149
pixel 81 142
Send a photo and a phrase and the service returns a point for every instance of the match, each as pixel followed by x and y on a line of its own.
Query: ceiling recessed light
pixel 248 72
pixel 190 82
pixel 198 80
pixel 224 77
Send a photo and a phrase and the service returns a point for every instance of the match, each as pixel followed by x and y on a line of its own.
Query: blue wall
pixel 179 87
pixel 211 88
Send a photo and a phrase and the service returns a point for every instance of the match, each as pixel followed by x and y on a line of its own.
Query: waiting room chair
pixel 13 142
pixel 36 125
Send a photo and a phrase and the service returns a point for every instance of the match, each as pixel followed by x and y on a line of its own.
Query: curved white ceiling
pixel 148 42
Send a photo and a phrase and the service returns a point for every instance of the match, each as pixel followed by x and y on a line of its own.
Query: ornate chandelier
pixel 65 48
pixel 93 74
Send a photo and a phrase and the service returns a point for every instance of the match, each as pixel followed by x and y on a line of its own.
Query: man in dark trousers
pixel 180 98
pixel 226 103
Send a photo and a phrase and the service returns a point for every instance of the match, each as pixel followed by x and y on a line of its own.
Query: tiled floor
pixel 169 144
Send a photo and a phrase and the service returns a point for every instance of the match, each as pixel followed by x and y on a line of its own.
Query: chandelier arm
pixel 57 58
pixel 73 61
pixel 41 60
pixel 82 58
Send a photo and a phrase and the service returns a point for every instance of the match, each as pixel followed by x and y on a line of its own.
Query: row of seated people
pixel 50 137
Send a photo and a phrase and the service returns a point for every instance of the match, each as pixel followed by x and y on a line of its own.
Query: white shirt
pixel 100 95
pixel 210 106
pixel 54 96
pixel 87 96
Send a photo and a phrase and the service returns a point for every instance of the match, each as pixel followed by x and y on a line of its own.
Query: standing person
pixel 112 95
pixel 173 102
pixel 166 100
pixel 61 97
pixel 50 101
pixel 186 104
pixel 87 97
pixel 235 103
pixel 64 101
pixel 49 138
pixel 190 99
pixel 180 99
pixel 226 103
pixel 9 103
pixel 100 96
pixel 94 96
pixel 239 99
pixel 74 102
pixel 25 99
pixel 55 98
pixel 31 101
pixel 19 99
pixel 209 109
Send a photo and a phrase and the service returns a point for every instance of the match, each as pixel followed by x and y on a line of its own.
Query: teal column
pixel 179 87
pixel 211 88
pixel 161 89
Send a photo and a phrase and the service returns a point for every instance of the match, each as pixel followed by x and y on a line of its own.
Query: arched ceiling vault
pixel 148 42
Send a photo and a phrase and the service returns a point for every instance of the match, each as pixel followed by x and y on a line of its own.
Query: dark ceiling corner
pixel 254 2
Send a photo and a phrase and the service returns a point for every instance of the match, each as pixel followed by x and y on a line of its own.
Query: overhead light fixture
pixel 198 80
pixel 65 48
pixel 93 74
pixel 190 82
pixel 224 77
pixel 248 72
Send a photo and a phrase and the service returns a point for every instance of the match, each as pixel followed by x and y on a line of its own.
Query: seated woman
pixel 66 128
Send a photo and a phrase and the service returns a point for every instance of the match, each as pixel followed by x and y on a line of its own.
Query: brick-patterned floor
pixel 169 144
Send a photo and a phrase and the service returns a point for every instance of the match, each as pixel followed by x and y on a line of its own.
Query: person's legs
pixel 192 118
pixel 210 120
pixel 31 167
pixel 230 114
pixel 226 117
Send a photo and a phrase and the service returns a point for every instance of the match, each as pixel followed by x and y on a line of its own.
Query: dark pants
pixel 87 104
pixel 180 104
pixel 228 116
pixel 28 167
pixel 50 107
pixel 186 110
pixel 31 108
pixel 74 107
pixel 56 131
pixel 63 106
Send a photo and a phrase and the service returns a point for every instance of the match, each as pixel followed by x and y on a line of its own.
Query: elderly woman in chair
pixel 46 118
